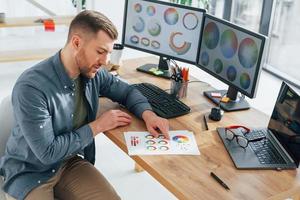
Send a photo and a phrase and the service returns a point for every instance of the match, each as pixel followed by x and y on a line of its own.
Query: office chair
pixel 7 121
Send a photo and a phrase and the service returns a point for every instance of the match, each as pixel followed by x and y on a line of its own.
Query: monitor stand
pixel 161 70
pixel 234 104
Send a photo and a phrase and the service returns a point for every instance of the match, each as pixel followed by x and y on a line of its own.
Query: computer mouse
pixel 215 114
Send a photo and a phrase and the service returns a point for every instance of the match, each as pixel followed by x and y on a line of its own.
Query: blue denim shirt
pixel 43 105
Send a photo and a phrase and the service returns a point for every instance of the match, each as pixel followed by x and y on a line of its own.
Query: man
pixel 51 151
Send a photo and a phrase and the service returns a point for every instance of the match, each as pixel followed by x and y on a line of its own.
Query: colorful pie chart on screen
pixel 154 27
pixel 231 73
pixel 137 7
pixel 211 35
pixel 180 139
pixel 204 58
pixel 171 16
pixel 245 80
pixel 151 10
pixel 190 21
pixel 138 24
pixel 134 39
pixel 218 66
pixel 248 53
pixel 177 44
pixel 229 43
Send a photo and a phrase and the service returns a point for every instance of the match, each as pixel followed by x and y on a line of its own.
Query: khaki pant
pixel 76 179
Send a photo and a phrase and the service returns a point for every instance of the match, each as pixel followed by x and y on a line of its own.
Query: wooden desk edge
pixel 146 167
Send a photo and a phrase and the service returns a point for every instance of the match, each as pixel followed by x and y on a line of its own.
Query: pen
pixel 219 181
pixel 205 122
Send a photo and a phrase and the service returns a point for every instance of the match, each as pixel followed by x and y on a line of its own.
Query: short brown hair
pixel 89 21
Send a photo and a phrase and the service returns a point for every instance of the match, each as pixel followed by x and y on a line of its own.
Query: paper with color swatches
pixel 143 143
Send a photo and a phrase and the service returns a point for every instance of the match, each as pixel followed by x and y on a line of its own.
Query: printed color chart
pixel 143 143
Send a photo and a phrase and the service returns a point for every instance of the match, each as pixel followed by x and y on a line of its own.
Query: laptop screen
pixel 285 121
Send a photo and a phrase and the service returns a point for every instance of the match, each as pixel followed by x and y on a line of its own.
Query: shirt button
pixel 73 85
pixel 41 126
pixel 53 170
pixel 65 87
pixel 72 115
pixel 72 94
pixel 39 181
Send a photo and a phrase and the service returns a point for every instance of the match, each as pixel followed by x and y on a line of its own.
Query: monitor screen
pixel 162 28
pixel 285 121
pixel 231 54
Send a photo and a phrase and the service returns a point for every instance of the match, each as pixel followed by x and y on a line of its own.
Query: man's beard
pixel 81 63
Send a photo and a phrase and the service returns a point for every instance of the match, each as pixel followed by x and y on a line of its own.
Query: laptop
pixel 280 148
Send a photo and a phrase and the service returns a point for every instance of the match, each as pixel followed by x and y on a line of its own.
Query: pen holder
pixel 179 89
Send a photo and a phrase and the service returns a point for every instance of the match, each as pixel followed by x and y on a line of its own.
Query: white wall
pixel 21 8
pixel 114 9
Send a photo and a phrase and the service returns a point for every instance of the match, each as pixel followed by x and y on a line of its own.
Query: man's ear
pixel 76 42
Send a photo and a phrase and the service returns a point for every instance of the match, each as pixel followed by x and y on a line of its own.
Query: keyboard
pixel 264 149
pixel 162 103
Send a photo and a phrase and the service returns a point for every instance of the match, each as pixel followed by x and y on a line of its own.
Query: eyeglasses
pixel 240 135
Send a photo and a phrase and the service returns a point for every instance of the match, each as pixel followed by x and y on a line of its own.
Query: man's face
pixel 93 54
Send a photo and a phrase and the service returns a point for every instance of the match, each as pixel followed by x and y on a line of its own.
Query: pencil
pixel 205 122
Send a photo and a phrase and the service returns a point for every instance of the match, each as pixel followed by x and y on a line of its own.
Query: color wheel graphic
pixel 155 44
pixel 211 35
pixel 164 148
pixel 231 73
pixel 138 24
pixel 180 50
pixel 154 27
pixel 151 10
pixel 162 142
pixel 137 7
pixel 149 136
pixel 150 142
pixel 190 21
pixel 248 53
pixel 151 148
pixel 229 43
pixel 245 80
pixel 171 16
pixel 204 58
pixel 180 139
pixel 134 39
pixel 218 66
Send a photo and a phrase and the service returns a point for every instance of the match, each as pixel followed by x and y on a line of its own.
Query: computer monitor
pixel 168 30
pixel 233 55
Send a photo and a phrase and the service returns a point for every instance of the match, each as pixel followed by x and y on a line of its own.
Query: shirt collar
pixel 61 72
pixel 63 75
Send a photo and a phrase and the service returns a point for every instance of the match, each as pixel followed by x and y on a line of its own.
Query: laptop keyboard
pixel 264 149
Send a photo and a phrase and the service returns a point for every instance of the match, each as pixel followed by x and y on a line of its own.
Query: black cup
pixel 118 46
pixel 215 114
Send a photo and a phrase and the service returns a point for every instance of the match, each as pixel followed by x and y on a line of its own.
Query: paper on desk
pixel 143 143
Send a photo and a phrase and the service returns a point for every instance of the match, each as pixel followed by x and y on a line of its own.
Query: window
pixel 283 56
pixel 247 13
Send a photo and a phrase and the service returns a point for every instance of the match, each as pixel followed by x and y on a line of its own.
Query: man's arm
pixel 122 93
pixel 33 117
pixel 134 101
pixel 156 125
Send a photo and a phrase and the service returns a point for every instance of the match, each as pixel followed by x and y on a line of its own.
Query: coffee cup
pixel 2 17
pixel 115 57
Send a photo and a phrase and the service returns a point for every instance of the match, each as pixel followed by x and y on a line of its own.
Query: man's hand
pixel 154 122
pixel 110 120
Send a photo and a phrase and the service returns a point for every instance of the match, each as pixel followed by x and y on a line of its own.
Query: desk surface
pixel 188 177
